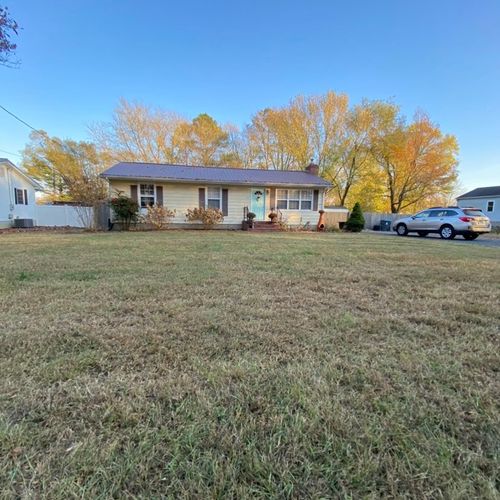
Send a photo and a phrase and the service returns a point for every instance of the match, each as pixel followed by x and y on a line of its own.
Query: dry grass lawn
pixel 235 365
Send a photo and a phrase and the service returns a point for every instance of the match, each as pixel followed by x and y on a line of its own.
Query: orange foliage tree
pixel 417 160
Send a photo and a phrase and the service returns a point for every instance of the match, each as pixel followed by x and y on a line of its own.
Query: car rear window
pixel 474 213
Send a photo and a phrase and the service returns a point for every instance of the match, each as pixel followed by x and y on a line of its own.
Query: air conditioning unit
pixel 23 223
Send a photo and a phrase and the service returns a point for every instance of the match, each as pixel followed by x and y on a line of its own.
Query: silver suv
pixel 446 221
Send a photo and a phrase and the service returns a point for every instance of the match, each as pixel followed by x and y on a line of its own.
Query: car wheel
pixel 470 236
pixel 447 232
pixel 423 234
pixel 402 230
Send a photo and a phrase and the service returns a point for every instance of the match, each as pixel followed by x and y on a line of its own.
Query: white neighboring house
pixel 17 194
pixel 485 198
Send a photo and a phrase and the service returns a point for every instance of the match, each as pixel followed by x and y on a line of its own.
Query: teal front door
pixel 258 203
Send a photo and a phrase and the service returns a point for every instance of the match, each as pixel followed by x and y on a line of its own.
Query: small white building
pixel 485 198
pixel 17 194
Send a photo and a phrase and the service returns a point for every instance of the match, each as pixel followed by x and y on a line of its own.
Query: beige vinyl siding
pixel 238 198
pixel 295 217
pixel 180 197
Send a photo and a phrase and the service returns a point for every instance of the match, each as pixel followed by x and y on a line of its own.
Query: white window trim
pixel 219 199
pixel 140 196
pixel 24 196
pixel 299 199
pixel 492 207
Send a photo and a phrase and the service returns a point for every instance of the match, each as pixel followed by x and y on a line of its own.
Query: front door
pixel 258 203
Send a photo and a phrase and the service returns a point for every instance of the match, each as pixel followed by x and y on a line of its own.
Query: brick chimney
pixel 312 168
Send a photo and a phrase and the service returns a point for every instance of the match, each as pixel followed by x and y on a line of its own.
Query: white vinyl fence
pixel 374 218
pixel 64 215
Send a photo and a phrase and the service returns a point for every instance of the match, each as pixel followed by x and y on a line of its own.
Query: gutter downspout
pixel 9 187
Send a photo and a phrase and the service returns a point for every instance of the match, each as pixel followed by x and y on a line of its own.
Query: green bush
pixel 126 209
pixel 356 222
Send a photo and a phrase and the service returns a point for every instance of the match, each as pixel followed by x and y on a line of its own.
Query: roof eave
pixel 219 182
pixel 467 197
pixel 36 185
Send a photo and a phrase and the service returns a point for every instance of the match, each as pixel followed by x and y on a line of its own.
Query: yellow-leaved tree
pixel 286 138
pixel 68 169
pixel 417 161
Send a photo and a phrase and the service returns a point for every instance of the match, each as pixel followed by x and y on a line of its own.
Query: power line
pixel 30 127
pixel 38 131
pixel 19 119
pixel 10 153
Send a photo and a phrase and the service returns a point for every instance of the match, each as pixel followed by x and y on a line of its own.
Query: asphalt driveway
pixel 485 241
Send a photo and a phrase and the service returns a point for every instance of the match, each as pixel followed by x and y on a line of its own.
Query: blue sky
pixel 231 58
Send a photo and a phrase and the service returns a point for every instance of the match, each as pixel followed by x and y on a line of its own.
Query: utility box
pixel 385 225
pixel 23 223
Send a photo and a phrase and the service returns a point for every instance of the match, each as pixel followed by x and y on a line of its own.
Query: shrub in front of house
pixel 126 210
pixel 273 216
pixel 250 217
pixel 159 217
pixel 356 222
pixel 209 217
pixel 283 224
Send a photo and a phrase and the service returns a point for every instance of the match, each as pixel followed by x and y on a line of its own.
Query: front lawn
pixel 227 364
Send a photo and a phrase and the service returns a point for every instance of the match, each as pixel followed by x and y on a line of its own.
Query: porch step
pixel 264 226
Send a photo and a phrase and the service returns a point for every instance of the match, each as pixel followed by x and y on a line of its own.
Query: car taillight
pixel 466 219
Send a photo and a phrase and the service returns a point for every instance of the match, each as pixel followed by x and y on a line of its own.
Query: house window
pixel 294 199
pixel 306 199
pixel 490 206
pixel 282 199
pixel 21 196
pixel 214 197
pixel 147 195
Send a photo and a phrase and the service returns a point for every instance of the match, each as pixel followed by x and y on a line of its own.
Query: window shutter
pixel 159 195
pixel 315 199
pixel 225 202
pixel 201 197
pixel 25 196
pixel 15 196
pixel 273 199
pixel 133 192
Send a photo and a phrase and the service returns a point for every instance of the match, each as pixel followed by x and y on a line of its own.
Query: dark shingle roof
pixel 212 175
pixel 480 192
